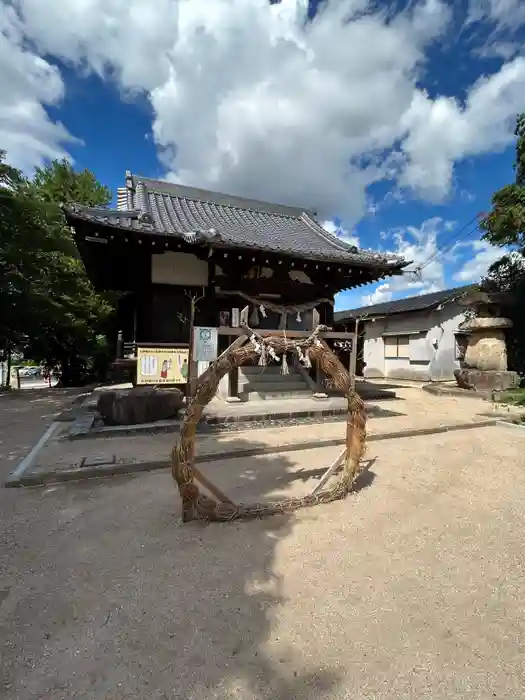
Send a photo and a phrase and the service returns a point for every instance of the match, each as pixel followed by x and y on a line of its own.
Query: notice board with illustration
pixel 162 365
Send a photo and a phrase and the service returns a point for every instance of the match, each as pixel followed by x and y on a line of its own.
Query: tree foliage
pixel 508 275
pixel 58 184
pixel 505 224
pixel 47 303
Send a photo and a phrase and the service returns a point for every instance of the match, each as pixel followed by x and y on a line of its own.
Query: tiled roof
pixel 402 306
pixel 200 216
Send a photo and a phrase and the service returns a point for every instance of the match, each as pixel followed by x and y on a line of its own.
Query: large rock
pixel 487 352
pixel 139 405
pixel 486 347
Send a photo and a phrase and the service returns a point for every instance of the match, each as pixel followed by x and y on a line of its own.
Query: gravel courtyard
pixel 414 587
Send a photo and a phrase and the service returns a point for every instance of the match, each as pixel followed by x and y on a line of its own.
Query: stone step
pixel 266 376
pixel 269 370
pixel 294 384
pixel 275 395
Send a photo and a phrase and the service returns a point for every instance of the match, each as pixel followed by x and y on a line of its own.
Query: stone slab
pixel 453 389
pixel 107 470
pixel 322 410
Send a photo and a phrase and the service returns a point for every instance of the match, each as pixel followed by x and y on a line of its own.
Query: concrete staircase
pixel 266 383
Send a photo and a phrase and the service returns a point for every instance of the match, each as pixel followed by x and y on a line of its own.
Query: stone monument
pixel 485 363
pixel 142 404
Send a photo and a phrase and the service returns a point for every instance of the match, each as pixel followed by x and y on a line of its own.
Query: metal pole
pixel 8 368
pixel 120 345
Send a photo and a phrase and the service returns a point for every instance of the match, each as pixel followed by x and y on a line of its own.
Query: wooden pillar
pixel 211 300
pixel 319 388
pixel 353 354
pixel 144 299
pixel 233 380
pixel 328 313
pixel 134 338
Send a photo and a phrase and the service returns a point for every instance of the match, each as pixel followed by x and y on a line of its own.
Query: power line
pixel 452 241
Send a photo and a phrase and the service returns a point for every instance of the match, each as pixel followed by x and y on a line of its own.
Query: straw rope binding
pixel 259 350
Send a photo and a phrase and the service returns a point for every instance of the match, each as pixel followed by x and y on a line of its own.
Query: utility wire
pixel 452 241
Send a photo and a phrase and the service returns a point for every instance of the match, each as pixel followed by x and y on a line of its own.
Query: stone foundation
pixel 486 380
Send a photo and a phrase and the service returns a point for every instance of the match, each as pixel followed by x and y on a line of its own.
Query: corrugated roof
pixel 153 206
pixel 401 306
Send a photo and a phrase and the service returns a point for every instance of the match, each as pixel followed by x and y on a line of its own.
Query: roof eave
pixel 380 314
pixel 74 215
pixel 395 268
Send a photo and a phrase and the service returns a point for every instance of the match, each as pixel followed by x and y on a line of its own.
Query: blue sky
pixel 394 122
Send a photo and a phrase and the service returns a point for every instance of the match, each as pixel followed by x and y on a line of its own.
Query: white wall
pixel 181 269
pixel 433 331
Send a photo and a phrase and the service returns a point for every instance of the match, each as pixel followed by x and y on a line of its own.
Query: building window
pixel 397 347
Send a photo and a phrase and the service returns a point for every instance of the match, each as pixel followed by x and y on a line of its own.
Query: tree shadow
pixel 24 415
pixel 54 399
pixel 133 603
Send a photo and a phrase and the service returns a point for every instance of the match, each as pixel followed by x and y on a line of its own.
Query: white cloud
pixel 418 245
pixel 483 255
pixel 441 131
pixel 504 14
pixel 432 251
pixel 27 83
pixel 504 19
pixel 340 232
pixel 251 98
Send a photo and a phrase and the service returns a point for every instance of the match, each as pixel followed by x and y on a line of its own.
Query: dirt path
pixel 24 416
pixel 412 588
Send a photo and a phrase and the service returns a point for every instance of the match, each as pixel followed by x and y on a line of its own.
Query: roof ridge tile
pixel 175 210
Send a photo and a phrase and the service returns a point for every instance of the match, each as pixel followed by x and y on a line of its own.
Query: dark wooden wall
pixel 123 264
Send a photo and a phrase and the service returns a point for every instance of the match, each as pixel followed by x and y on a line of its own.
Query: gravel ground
pixel 411 588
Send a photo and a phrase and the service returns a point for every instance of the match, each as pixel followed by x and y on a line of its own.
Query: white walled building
pixel 416 338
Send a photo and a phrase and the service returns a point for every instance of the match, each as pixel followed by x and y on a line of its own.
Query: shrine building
pixel 166 244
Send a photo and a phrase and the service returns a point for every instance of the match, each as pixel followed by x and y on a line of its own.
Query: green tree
pixel 505 224
pixel 47 303
pixel 59 184
pixel 26 241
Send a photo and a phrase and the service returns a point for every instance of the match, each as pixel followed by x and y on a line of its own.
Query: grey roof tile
pixel 174 210
pixel 399 306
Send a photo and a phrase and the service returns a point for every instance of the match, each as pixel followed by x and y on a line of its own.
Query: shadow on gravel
pixel 50 400
pixel 125 601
